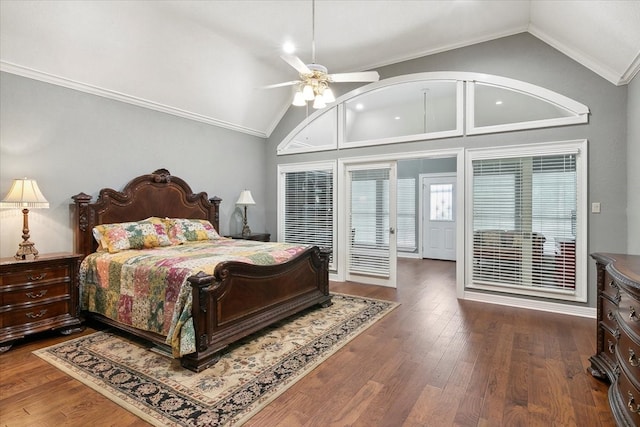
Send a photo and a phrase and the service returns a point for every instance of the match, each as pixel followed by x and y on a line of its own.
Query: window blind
pixel 406 222
pixel 369 222
pixel 524 221
pixel 308 208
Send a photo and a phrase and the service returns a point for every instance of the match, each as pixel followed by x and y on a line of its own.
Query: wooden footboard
pixel 240 299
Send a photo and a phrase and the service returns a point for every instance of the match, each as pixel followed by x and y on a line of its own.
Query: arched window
pixel 430 106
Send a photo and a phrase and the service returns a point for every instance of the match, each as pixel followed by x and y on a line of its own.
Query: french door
pixel 371 223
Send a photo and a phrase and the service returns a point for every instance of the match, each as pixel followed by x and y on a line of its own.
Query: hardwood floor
pixel 434 361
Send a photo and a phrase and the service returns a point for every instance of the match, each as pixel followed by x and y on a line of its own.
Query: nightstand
pixel 261 237
pixel 38 295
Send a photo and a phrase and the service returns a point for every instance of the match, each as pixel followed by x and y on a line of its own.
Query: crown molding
pixel 20 70
pixel 603 71
pixel 460 44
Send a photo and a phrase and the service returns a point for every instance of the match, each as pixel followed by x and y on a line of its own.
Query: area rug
pixel 249 376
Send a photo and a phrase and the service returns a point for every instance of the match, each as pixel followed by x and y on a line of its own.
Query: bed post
pixel 215 201
pixel 83 244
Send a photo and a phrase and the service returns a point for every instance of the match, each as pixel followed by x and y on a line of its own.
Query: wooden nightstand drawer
pixel 36 313
pixel 32 294
pixel 36 275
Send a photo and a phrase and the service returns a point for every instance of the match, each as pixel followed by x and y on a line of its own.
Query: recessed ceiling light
pixel 359 106
pixel 498 102
pixel 397 117
pixel 288 47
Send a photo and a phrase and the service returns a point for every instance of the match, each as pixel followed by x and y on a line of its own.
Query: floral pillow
pixel 182 230
pixel 149 233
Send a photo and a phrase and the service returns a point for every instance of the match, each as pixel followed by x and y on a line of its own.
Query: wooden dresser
pixel 38 295
pixel 618 334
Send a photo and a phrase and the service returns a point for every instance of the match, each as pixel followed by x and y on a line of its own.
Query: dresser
pixel 38 295
pixel 617 358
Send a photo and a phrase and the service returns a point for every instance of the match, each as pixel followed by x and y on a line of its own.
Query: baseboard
pixel 552 307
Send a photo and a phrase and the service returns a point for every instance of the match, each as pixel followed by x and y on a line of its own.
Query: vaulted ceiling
pixel 207 60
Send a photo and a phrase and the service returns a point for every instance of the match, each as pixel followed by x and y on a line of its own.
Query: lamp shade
pixel 245 198
pixel 319 102
pixel 24 193
pixel 308 93
pixel 328 95
pixel 298 100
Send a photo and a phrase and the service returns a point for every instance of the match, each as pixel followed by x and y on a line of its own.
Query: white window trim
pixel 578 147
pixel 464 115
pixel 302 167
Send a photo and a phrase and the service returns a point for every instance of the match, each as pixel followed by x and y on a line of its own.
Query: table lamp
pixel 245 199
pixel 25 194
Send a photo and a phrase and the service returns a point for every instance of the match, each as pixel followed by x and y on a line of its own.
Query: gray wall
pixel 522 57
pixel 73 142
pixel 633 167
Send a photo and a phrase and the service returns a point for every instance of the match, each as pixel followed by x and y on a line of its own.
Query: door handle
pixel 392 230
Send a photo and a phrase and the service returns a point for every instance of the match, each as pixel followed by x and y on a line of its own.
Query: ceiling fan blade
pixel 365 76
pixel 296 63
pixel 291 83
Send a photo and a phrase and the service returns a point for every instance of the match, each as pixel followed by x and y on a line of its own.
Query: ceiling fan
pixel 313 84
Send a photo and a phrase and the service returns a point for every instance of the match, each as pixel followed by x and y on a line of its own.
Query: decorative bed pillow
pixel 182 230
pixel 149 233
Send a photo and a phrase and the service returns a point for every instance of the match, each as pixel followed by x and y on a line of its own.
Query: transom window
pixel 429 106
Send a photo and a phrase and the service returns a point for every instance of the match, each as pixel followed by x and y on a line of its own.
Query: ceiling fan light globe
pixel 307 92
pixel 328 96
pixel 298 100
pixel 319 102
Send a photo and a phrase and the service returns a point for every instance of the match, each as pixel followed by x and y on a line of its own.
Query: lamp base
pixel 25 249
pixel 246 231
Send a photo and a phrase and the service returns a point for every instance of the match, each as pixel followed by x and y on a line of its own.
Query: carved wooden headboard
pixel 158 194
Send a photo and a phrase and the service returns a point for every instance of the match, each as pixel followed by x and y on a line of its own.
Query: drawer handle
pixel 36 278
pixel 38 295
pixel 612 346
pixel 633 359
pixel 632 314
pixel 610 315
pixel 632 405
pixel 36 315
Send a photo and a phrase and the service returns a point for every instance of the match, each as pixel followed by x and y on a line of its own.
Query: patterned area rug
pixel 249 376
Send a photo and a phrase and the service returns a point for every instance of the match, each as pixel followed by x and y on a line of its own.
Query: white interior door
pixel 371 220
pixel 439 217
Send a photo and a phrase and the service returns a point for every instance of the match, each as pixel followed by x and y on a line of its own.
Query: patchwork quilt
pixel 148 288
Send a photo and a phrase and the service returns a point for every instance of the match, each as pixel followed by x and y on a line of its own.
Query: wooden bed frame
pixel 238 299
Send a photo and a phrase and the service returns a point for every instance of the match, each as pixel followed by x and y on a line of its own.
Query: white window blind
pixel 308 208
pixel 524 221
pixel 406 222
pixel 369 222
